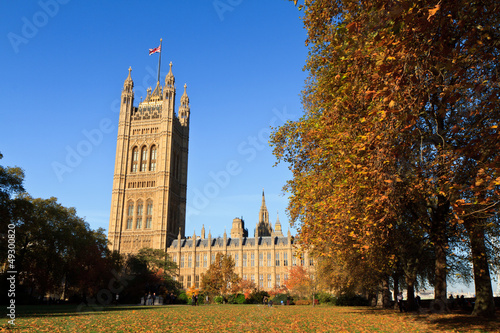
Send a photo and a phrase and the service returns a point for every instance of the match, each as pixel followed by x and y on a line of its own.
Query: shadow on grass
pixel 67 310
pixel 459 321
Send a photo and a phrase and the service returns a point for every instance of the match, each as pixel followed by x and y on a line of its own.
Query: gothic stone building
pixel 148 205
pixel 264 259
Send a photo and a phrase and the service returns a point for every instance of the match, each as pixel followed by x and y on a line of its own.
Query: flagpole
pixel 159 62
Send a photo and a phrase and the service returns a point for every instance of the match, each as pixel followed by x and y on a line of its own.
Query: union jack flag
pixel 155 50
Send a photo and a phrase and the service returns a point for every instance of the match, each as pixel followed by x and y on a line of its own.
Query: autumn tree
pixel 400 135
pixel 220 278
pixel 247 287
pixel 301 282
pixel 192 290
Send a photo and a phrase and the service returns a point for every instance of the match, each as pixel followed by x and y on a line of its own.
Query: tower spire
pixel 277 227
pixel 184 97
pixel 264 227
pixel 169 78
pixel 184 108
pixel 128 84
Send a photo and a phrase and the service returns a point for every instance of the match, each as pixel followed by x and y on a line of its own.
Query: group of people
pixel 459 302
pixel 170 298
pixel 149 299
pixel 269 302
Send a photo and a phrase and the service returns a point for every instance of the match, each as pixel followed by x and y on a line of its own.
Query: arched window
pixel 135 159
pixel 130 215
pixel 149 215
pixel 152 160
pixel 144 158
pixel 138 221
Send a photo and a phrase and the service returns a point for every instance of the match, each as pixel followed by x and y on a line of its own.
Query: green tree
pixel 11 183
pixel 151 270
pixel 55 250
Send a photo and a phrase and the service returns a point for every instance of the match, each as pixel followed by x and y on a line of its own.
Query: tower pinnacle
pixel 263 226
pixel 170 79
pixel 184 97
pixel 277 227
pixel 128 84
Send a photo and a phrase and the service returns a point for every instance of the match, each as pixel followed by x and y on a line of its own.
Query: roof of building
pixel 219 242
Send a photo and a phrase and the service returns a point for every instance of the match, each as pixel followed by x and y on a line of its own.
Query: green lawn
pixel 237 318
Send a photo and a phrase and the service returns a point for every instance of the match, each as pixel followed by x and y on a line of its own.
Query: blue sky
pixel 63 63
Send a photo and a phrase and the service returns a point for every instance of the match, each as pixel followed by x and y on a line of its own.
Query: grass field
pixel 237 318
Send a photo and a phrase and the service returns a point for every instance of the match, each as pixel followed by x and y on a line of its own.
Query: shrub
pixel 201 299
pixel 256 298
pixel 182 298
pixel 240 299
pixel 303 302
pixel 231 299
pixel 325 298
pixel 236 299
pixel 278 298
pixel 219 299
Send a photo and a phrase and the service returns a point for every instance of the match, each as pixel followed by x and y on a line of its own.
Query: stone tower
pixel 238 229
pixel 148 204
pixel 277 227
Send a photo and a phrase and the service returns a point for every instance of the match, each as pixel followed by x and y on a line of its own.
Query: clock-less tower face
pixel 148 206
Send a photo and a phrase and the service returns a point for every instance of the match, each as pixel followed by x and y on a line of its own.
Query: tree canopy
pixel 58 254
pixel 399 143
pixel 220 278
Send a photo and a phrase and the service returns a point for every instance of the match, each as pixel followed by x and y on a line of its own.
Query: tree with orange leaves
pixel 247 287
pixel 400 138
pixel 192 290
pixel 220 278
pixel 301 282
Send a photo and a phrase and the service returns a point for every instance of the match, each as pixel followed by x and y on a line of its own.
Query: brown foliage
pixel 220 278
pixel 400 138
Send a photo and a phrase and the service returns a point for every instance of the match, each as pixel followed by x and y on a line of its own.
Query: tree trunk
pixel 411 296
pixel 410 274
pixel 440 239
pixel 395 292
pixel 384 294
pixel 441 272
pixel 485 304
